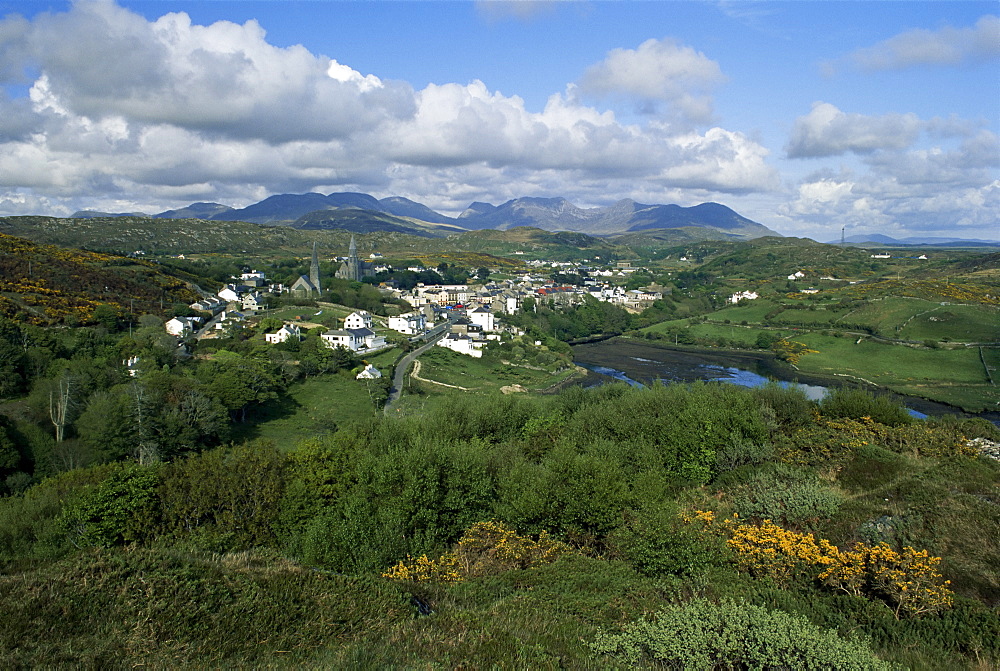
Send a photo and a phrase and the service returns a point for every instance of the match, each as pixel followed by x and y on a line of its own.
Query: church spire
pixel 314 271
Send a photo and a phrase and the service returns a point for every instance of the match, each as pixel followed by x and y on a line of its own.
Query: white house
pixel 253 301
pixel 358 320
pixel 881 256
pixel 227 318
pixel 212 305
pixel 462 344
pixel 229 293
pixel 369 373
pixel 356 340
pixel 483 318
pixel 284 333
pixel 797 275
pixel 743 296
pixel 411 323
pixel 132 366
pixel 181 326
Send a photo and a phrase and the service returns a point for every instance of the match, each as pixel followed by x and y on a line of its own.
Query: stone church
pixel 309 285
pixel 354 269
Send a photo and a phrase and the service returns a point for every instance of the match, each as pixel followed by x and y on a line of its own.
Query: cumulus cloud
pixel 121 107
pixel 927 189
pixel 827 131
pixel 99 59
pixel 947 46
pixel 658 71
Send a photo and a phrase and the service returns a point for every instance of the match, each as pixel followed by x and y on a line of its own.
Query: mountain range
pixel 362 213
pixel 877 239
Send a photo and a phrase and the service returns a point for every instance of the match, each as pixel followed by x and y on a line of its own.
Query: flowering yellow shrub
pixel 832 439
pixel 908 580
pixel 486 548
pixel 791 351
pixel 423 569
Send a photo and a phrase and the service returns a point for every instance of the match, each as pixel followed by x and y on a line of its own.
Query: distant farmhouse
pixel 354 269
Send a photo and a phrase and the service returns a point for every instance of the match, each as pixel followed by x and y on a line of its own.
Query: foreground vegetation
pixel 583 529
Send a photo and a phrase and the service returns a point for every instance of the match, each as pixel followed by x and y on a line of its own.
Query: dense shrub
pixel 657 543
pixel 685 424
pixel 854 403
pixel 788 495
pixel 732 634
pixel 122 508
pixel 790 404
pixel 227 498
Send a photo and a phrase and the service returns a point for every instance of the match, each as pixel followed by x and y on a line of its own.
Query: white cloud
pixel 947 46
pixel 826 131
pixel 658 71
pixel 122 107
pixel 224 79
pixel 935 189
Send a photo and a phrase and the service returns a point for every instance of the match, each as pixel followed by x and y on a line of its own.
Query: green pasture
pixel 752 312
pixel 919 319
pixel 483 375
pixel 954 376
pixel 962 323
pixel 733 332
pixel 310 408
pixel 818 318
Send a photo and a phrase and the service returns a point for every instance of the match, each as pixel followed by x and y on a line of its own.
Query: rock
pixel 987 448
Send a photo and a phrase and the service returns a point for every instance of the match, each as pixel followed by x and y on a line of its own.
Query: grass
pixel 954 376
pixel 313 407
pixel 483 375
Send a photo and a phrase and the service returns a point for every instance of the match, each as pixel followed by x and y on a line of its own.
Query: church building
pixel 309 285
pixel 354 269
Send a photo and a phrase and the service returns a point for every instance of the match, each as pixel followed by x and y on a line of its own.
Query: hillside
pixel 532 243
pixel 124 235
pixel 369 221
pixel 45 284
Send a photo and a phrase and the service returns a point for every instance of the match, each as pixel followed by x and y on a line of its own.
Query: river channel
pixel 642 364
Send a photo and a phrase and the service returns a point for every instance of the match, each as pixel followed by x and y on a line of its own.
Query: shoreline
pixel 763 363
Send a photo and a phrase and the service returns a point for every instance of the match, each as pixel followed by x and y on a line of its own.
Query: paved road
pixel 403 367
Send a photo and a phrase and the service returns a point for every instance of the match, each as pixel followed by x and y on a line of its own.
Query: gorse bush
pixel 701 635
pixel 907 580
pixel 486 548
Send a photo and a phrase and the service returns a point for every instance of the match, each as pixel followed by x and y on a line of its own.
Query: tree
pixel 237 381
pixel 107 316
pixel 62 404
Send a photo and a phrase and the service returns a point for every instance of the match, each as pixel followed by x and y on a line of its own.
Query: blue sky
pixel 805 116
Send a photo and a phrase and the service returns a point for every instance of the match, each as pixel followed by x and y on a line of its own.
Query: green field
pixel 954 376
pixel 914 319
pixel 314 407
pixel 483 376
